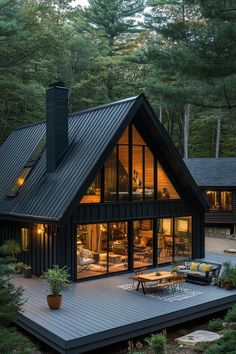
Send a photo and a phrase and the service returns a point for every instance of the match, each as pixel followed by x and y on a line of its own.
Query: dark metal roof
pixel 215 172
pixel 92 134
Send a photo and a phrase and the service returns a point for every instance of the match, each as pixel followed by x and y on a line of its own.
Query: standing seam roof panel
pixel 49 194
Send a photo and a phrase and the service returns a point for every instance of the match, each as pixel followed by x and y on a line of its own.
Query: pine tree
pixel 114 23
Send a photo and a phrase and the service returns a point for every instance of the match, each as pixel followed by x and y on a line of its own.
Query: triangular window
pixel 166 189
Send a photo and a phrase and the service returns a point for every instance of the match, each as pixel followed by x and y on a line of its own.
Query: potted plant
pixel 27 271
pixel 228 280
pixel 19 267
pixel 57 280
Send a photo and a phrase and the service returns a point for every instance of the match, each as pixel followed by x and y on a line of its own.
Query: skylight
pixel 28 167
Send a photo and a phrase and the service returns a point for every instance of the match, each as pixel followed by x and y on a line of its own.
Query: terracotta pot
pixel 228 286
pixel 54 302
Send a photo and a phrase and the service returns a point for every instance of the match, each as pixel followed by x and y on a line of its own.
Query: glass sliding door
pixel 91 250
pixel 165 240
pixel 101 248
pixel 118 247
pixel 142 243
pixel 183 237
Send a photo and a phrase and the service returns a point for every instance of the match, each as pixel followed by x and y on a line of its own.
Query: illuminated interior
pixel 219 200
pixel 103 248
pixel 119 176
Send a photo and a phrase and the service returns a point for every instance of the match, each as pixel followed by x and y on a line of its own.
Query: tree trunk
pixel 160 114
pixel 186 122
pixel 218 133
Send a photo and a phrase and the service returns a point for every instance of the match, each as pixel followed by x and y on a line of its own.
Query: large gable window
pixel 129 174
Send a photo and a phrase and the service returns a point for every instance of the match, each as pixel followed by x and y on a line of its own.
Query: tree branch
pixel 226 96
pixel 14 63
pixel 5 5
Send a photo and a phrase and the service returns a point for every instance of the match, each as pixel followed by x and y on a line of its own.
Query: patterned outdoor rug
pixel 167 297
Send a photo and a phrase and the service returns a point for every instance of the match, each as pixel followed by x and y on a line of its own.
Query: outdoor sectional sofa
pixel 200 272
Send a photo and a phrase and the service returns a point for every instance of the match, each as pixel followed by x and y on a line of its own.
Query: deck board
pixel 98 312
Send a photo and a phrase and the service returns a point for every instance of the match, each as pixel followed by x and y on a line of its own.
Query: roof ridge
pixel 133 98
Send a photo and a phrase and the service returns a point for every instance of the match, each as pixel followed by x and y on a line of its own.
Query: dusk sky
pixel 81 2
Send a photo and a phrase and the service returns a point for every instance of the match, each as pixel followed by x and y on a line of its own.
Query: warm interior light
pixel 20 181
pixel 40 229
pixel 208 192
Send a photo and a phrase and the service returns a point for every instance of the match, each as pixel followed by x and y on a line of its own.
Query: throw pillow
pixel 201 265
pixel 194 266
pixel 206 268
pixel 187 264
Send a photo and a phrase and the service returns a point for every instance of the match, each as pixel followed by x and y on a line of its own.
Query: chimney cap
pixel 57 84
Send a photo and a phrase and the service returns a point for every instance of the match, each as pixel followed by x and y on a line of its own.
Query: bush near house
pixel 11 341
pixel 11 301
pixel 227 343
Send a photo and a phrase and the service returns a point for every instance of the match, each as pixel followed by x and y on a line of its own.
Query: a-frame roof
pixel 92 135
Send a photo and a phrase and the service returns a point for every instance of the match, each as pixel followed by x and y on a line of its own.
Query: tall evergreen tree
pixel 114 24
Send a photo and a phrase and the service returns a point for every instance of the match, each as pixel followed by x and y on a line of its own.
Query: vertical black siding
pixel 43 248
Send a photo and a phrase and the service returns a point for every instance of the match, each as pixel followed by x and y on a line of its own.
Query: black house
pixel 216 177
pixel 103 191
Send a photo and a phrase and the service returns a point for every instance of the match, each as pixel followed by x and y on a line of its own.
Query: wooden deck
pixel 98 313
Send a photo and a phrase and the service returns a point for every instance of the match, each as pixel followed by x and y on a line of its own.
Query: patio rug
pixel 167 297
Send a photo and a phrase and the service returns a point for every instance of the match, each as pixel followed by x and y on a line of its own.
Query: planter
pixel 54 302
pixel 27 273
pixel 228 286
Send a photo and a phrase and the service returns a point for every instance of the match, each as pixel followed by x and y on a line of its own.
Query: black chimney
pixel 56 124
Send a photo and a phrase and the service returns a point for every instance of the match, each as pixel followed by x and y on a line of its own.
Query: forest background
pixel 180 53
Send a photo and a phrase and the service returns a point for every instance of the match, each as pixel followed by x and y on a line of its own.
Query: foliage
pixel 26 267
pixel 231 315
pixel 10 247
pixel 56 279
pixel 181 53
pixel 10 300
pixel 215 324
pixel 133 348
pixel 229 275
pixel 11 341
pixel 157 342
pixel 200 347
pixel 226 344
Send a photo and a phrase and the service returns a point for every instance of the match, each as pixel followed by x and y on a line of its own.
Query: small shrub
pixel 10 248
pixel 231 315
pixel 183 332
pixel 200 347
pixel 157 342
pixel 10 301
pixel 11 341
pixel 225 345
pixel 215 324
pixel 133 348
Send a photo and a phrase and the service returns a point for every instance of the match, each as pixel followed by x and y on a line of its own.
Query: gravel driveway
pixel 218 245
